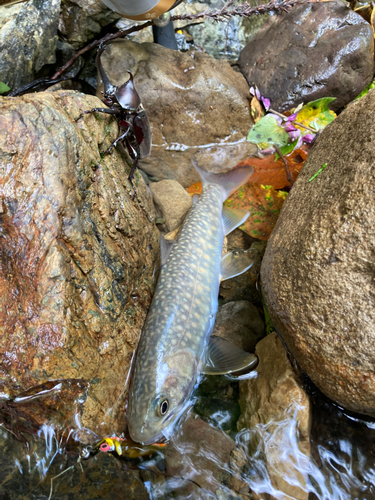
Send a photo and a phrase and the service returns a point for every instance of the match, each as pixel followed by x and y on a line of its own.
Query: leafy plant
pixel 3 88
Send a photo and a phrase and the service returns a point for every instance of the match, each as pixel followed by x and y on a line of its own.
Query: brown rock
pixel 77 254
pixel 315 50
pixel 318 269
pixel 240 323
pixel 196 105
pixel 276 410
pixel 171 201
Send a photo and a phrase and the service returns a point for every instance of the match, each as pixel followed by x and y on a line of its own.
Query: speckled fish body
pixel 180 321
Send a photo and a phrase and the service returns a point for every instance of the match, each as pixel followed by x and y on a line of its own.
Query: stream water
pixel 206 458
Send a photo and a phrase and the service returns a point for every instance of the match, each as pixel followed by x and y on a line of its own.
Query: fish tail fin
pixel 228 182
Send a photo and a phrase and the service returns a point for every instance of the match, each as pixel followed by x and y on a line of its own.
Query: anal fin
pixel 235 263
pixel 233 218
pixel 223 358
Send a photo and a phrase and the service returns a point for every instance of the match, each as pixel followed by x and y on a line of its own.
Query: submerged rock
pixel 199 456
pixel 318 269
pixel 275 420
pixel 28 473
pixel 315 50
pixel 196 105
pixel 77 253
pixel 28 39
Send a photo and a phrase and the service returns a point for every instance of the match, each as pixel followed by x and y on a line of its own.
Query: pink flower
pixel 308 138
pixel 266 102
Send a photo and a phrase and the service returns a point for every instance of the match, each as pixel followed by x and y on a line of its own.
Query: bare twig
pixel 96 43
pixel 228 11
pixel 288 174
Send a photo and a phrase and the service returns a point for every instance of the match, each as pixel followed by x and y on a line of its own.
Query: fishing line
pixel 61 473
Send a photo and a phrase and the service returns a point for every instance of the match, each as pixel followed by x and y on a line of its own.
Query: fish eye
pixel 163 407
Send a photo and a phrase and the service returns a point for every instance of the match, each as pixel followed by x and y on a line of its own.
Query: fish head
pixel 156 403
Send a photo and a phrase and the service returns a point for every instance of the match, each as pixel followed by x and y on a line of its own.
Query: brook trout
pixel 174 346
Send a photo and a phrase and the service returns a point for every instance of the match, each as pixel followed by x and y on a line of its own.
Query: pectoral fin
pixel 233 218
pixel 235 263
pixel 223 358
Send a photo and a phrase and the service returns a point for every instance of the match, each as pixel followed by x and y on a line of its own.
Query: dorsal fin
pixel 229 182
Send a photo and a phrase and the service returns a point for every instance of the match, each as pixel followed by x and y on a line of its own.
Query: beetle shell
pixel 127 96
pixel 142 131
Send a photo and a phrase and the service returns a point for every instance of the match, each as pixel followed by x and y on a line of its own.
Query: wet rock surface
pixel 28 39
pixel 196 105
pixel 172 202
pixel 317 50
pixel 77 253
pixel 81 20
pixel 276 410
pixel 318 273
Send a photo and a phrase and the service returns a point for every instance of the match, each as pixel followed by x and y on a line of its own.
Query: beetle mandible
pixel 134 127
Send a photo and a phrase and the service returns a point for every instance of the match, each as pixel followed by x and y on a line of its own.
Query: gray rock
pixel 28 38
pixel 318 269
pixel 223 39
pixel 240 323
pixel 315 50
pixel 81 20
pixel 171 201
pixel 276 412
pixel 196 105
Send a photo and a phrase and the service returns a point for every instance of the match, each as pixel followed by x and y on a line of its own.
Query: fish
pixel 175 345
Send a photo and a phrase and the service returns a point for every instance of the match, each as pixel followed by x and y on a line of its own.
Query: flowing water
pixel 206 458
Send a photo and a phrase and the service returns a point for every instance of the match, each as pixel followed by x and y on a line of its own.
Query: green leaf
pixel 365 91
pixel 3 88
pixel 268 131
pixel 316 114
pixel 285 150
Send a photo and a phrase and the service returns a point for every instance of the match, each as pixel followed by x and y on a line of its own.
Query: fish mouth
pixel 143 437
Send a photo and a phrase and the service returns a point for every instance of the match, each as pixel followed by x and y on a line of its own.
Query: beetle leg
pixel 109 111
pixel 119 138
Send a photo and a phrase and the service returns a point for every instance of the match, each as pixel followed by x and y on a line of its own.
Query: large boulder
pixel 318 270
pixel 196 105
pixel 315 50
pixel 77 254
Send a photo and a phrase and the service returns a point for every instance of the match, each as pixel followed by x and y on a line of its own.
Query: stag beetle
pixel 134 127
